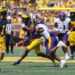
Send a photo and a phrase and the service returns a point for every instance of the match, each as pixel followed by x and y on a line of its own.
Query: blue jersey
pixel 2 26
pixel 31 35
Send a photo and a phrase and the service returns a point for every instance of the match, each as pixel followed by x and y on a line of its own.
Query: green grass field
pixel 34 65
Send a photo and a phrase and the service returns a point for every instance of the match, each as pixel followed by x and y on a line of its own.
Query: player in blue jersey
pixel 35 40
pixel 3 23
pixel 63 27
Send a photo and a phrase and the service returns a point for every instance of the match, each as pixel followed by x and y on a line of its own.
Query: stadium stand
pixel 45 9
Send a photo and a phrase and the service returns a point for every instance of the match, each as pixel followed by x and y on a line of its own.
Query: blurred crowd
pixel 15 9
pixel 39 3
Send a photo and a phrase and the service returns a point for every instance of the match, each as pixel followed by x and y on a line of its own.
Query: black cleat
pixel 17 62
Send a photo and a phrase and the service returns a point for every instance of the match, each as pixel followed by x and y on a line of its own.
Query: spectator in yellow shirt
pixel 22 37
pixel 14 20
pixel 71 40
pixel 11 2
pixel 22 4
pixel 56 5
pixel 4 3
pixel 19 19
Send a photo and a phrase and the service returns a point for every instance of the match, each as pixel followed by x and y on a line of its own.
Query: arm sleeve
pixel 68 19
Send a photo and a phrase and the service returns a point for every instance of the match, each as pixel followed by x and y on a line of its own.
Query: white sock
pixel 66 56
pixel 61 44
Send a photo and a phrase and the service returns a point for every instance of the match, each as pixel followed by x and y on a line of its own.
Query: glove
pixel 56 29
pixel 23 25
pixel 69 32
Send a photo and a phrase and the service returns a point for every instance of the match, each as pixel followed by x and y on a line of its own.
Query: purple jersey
pixel 32 35
pixel 62 37
pixel 52 43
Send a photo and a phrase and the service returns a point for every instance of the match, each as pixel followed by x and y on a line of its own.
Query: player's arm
pixel 55 28
pixel 55 25
pixel 70 26
pixel 30 29
pixel 39 30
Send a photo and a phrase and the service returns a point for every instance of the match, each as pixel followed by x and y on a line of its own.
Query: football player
pixel 29 26
pixel 51 41
pixel 71 40
pixel 3 23
pixel 63 26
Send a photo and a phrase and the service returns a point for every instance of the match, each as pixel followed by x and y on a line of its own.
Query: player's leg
pixel 2 51
pixel 20 42
pixel 12 43
pixel 7 43
pixel 22 57
pixel 0 56
pixel 12 46
pixel 72 51
pixel 62 62
pixel 51 49
pixel 57 58
pixel 2 48
pixel 60 44
pixel 37 51
pixel 48 46
pixel 63 45
pixel 51 44
pixel 32 45
pixel 65 50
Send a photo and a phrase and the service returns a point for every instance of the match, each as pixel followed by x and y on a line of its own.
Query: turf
pixel 33 68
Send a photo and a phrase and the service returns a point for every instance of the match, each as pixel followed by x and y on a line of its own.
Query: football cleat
pixel 1 71
pixel 17 62
pixel 67 57
pixel 62 63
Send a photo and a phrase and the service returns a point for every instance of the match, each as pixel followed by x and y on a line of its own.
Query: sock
pixel 51 58
pixel 66 56
pixel 61 44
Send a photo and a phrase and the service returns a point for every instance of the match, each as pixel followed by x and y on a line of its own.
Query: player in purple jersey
pixel 35 42
pixel 51 42
pixel 62 27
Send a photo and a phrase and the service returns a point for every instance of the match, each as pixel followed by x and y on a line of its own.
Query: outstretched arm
pixel 39 30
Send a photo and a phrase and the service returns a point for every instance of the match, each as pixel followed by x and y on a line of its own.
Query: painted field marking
pixel 33 59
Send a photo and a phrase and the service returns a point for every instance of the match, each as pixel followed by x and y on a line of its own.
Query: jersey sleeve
pixel 37 26
pixel 45 32
pixel 56 21
pixel 68 19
